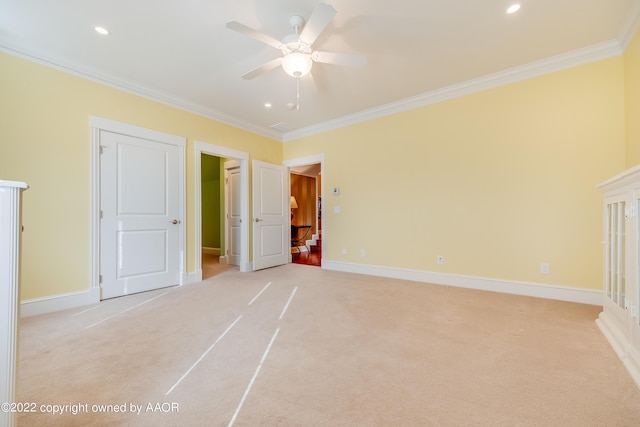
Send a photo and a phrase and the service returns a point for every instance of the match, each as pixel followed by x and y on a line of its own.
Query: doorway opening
pixel 305 178
pixel 214 205
pixel 221 232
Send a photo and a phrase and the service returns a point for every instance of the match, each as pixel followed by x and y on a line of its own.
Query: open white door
pixel 140 226
pixel 270 215
pixel 233 211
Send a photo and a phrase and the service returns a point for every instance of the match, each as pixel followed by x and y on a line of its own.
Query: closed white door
pixel 270 215
pixel 140 225
pixel 233 211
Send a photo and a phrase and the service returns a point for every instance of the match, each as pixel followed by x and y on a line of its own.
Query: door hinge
pixel 226 180
pixel 101 214
pixel 101 149
pixel 100 279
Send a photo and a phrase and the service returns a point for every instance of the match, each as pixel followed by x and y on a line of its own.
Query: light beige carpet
pixel 211 266
pixel 301 346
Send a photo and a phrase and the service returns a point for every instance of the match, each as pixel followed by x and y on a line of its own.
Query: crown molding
pixel 549 65
pixel 140 91
pixel 630 26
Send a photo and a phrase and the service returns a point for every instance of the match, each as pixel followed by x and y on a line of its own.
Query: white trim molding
pixel 10 249
pixel 538 68
pixel 574 58
pixel 50 304
pixel 538 290
pixel 618 321
pixel 54 303
pixel 631 25
pixel 628 354
pixel 192 277
pixel 227 153
pixel 135 88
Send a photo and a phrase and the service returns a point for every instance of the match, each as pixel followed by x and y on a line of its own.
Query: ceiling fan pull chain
pixel 298 93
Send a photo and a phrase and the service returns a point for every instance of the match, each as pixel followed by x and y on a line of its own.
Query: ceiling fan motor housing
pixel 297 22
pixel 298 56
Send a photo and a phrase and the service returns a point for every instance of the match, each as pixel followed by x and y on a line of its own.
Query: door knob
pixel 175 221
pixel 259 219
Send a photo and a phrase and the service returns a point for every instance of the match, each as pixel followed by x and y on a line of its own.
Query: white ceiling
pixel 181 53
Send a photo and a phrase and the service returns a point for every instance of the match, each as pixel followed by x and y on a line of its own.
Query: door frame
pixel 226 196
pixel 98 124
pixel 311 160
pixel 243 158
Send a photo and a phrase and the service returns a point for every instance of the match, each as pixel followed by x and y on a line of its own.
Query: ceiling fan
pixel 297 53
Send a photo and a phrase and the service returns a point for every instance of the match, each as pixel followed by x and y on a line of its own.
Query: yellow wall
pixel 497 182
pixel 45 141
pixel 632 100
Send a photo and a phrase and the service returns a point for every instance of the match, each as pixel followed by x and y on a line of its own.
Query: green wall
pixel 212 194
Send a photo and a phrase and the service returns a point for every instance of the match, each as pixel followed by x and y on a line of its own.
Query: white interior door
pixel 270 215
pixel 233 211
pixel 140 223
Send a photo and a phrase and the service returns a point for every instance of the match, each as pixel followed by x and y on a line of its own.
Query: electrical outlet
pixel 544 268
pixel 363 252
pixel 440 259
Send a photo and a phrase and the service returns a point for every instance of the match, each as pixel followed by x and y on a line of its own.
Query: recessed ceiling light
pixel 514 8
pixel 267 105
pixel 102 30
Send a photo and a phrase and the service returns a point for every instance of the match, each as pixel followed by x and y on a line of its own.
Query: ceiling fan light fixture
pixel 297 64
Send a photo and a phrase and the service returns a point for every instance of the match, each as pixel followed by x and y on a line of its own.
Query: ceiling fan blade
pixel 318 21
pixel 339 58
pixel 256 35
pixel 268 66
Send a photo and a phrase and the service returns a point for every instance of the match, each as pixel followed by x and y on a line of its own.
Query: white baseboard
pixel 632 363
pixel 555 292
pixel 612 333
pixel 192 277
pixel 36 306
pixel 585 296
pixel 621 345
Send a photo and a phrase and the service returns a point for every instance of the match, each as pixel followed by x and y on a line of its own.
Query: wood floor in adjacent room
pixel 303 346
pixel 307 258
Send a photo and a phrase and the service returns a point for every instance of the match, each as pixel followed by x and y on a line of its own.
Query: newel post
pixel 10 236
